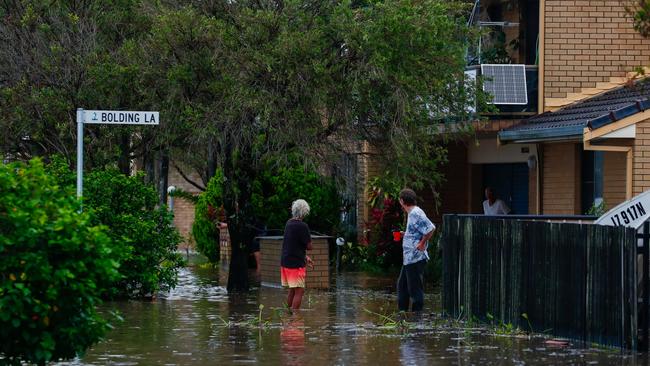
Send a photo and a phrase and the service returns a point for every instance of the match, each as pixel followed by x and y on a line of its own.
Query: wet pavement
pixel 198 323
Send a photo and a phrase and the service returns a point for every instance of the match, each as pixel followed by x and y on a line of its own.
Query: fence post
pixel 646 296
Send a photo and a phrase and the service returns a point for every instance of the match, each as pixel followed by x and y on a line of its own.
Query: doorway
pixel 510 184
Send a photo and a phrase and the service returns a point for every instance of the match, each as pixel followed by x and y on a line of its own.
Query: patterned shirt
pixel 417 225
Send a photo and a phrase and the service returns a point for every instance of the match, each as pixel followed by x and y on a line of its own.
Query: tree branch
pixel 190 181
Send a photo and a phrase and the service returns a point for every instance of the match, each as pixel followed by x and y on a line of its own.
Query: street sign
pixel 109 118
pixel 121 117
pixel 632 213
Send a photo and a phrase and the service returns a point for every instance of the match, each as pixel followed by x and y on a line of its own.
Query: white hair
pixel 299 209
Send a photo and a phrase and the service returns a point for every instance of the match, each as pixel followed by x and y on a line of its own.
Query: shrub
pixel 208 209
pixel 276 189
pixel 386 215
pixel 55 262
pixel 144 239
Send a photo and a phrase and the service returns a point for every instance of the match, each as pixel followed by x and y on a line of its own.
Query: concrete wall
pixel 586 42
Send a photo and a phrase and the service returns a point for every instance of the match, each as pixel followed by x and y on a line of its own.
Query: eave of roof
pixel 569 122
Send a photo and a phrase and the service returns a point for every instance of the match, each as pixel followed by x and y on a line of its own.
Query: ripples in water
pixel 191 288
pixel 198 323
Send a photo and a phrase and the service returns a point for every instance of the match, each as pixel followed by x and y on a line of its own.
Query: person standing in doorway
pixel 492 205
pixel 419 229
pixel 297 240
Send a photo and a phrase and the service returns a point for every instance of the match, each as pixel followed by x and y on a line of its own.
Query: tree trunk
pixel 212 162
pixel 164 176
pixel 235 195
pixel 238 271
pixel 124 162
pixel 149 167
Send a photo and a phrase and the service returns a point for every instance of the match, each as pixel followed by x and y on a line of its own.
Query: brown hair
pixel 408 196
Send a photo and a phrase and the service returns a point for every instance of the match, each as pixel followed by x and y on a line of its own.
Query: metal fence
pixel 577 281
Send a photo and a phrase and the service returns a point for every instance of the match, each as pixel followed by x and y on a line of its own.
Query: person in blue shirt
pixel 419 229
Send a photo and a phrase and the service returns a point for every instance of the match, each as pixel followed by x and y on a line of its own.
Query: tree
pixel 55 265
pixel 60 56
pixel 245 82
pixel 144 240
pixel 310 78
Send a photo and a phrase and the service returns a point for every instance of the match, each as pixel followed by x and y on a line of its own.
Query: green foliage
pixel 276 188
pixel 640 12
pixel 144 240
pixel 182 194
pixel 386 216
pixel 55 263
pixel 355 256
pixel 209 209
pixel 143 235
pixel 597 209
pixel 394 322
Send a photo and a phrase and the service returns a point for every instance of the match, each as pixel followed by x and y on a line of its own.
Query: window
pixel 592 179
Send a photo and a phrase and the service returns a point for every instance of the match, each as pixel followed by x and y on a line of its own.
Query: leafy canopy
pixel 55 264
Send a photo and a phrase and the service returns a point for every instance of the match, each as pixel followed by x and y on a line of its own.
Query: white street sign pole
pixel 80 151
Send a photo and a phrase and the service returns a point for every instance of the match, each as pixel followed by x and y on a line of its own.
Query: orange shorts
pixel 293 277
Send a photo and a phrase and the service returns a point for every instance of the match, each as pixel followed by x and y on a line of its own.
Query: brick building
pixel 580 139
pixel 591 138
pixel 183 209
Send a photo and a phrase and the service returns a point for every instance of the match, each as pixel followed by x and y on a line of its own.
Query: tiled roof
pixel 569 122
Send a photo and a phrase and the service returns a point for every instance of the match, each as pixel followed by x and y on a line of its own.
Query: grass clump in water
pixel 395 321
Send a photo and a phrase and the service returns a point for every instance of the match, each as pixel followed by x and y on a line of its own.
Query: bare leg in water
pixel 297 298
pixel 290 297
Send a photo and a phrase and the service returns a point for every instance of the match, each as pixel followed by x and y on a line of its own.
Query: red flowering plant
pixel 386 217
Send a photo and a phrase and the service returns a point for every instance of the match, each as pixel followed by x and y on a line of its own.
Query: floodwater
pixel 198 323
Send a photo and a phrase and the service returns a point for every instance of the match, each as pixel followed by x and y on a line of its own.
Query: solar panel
pixel 506 83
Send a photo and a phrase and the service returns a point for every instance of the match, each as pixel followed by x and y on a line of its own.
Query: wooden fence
pixel 571 280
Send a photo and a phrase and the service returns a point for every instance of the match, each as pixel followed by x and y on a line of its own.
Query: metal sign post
pixel 108 118
pixel 80 151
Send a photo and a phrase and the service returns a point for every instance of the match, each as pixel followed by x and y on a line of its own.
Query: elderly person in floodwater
pixel 297 240
pixel 419 229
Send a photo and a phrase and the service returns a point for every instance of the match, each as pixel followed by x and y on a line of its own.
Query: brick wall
pixel 318 277
pixel 614 167
pixel 368 168
pixel 561 179
pixel 588 41
pixel 183 210
pixel 641 163
pixel 455 191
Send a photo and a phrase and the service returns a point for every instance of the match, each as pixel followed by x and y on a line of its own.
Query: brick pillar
pixel 271 249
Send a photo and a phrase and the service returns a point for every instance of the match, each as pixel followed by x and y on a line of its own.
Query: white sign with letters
pixel 107 118
pixel 632 213
pixel 121 117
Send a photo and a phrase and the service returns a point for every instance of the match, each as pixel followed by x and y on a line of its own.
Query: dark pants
pixel 410 284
